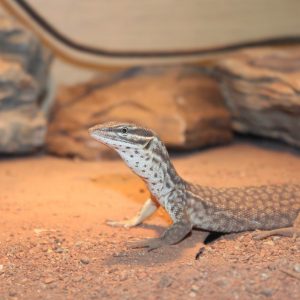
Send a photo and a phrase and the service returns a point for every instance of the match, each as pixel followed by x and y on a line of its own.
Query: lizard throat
pixel 155 168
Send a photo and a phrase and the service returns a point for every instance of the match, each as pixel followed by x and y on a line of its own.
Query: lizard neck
pixel 154 166
pixel 162 177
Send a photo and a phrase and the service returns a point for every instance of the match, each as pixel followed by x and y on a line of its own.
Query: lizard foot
pixel 125 223
pixel 288 232
pixel 150 244
pixel 147 210
pixel 173 235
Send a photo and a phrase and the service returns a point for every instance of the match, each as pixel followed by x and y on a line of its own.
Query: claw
pixel 260 235
pixel 150 244
pixel 125 223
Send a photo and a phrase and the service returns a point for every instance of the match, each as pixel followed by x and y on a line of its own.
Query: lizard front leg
pixel 175 233
pixel 149 207
pixel 288 231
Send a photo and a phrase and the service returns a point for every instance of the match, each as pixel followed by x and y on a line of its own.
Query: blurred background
pixel 195 73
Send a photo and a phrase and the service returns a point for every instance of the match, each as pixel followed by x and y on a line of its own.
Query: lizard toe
pixel 125 223
pixel 150 244
pixel 288 232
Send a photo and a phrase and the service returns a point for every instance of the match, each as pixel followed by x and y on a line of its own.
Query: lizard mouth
pixel 105 137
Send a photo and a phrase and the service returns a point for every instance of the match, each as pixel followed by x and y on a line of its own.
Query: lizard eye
pixel 124 130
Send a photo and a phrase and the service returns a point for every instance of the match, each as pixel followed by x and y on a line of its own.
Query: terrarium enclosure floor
pixel 54 243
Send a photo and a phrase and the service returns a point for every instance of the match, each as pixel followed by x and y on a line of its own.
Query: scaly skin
pixel 274 208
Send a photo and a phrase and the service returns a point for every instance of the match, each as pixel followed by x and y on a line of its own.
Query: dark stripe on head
pixel 141 132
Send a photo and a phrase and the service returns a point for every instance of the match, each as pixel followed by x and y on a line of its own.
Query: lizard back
pixel 240 209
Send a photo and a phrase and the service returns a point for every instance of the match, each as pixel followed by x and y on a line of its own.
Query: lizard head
pixel 123 137
pixel 133 143
pixel 140 148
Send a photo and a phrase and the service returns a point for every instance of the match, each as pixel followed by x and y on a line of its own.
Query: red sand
pixel 54 243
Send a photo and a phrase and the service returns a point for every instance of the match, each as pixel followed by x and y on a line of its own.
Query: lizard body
pixel 275 208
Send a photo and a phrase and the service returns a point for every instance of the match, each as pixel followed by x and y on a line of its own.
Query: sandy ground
pixel 54 243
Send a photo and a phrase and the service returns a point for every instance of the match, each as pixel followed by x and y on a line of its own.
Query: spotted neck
pixel 154 166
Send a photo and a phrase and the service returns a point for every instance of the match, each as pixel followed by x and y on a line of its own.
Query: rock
pixel 22 130
pixel 21 46
pixel 165 281
pixel 264 276
pixel 222 282
pixel 85 260
pixel 296 268
pixel 192 294
pixel 59 250
pixel 24 98
pixel 49 280
pixel 183 106
pixel 195 288
pixel 269 243
pixel 17 87
pixel 267 292
pixel 77 278
pixel 123 276
pixel 12 293
pixel 262 90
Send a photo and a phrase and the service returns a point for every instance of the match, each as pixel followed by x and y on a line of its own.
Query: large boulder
pixel 22 130
pixel 262 90
pixel 24 68
pixel 183 106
